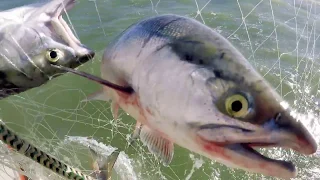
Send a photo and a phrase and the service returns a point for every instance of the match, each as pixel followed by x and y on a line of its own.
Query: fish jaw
pixel 236 146
pixel 244 157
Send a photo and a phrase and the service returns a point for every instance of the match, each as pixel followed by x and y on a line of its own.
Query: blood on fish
pixel 21 176
pixel 126 100
pixel 263 165
pixel 212 148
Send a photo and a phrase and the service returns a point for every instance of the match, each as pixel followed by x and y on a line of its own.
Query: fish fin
pixel 136 133
pixel 159 146
pixel 103 166
pixel 112 159
pixel 114 109
pixel 97 96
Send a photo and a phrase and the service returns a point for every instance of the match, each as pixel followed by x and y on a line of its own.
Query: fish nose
pixel 301 139
pixel 82 58
pixel 87 56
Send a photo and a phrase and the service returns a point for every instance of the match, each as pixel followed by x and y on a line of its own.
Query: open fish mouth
pixel 47 17
pixel 237 146
pixel 280 168
pixel 244 156
pixel 63 30
pixel 249 147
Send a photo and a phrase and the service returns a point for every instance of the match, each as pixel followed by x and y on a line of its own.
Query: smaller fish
pixel 103 166
pixel 31 38
pixel 25 148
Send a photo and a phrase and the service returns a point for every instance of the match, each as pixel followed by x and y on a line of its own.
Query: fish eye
pixel 237 106
pixel 53 55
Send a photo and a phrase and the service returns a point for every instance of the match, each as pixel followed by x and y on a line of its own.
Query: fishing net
pixel 278 37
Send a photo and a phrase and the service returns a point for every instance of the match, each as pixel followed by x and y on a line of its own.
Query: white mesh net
pixel 279 38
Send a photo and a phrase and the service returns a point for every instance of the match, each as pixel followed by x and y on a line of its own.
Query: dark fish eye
pixel 237 105
pixel 53 55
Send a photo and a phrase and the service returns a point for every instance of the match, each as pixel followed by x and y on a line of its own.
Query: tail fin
pixel 103 166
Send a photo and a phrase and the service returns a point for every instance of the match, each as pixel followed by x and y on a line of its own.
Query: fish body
pixel 31 38
pixel 15 142
pixel 192 87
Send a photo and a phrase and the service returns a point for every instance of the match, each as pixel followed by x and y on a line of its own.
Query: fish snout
pixel 82 58
pixel 86 56
pixel 298 136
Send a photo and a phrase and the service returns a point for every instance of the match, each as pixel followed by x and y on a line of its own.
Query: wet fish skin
pixel 183 74
pixel 27 35
pixel 15 142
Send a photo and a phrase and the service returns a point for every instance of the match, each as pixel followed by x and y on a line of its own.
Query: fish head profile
pixel 234 109
pixel 33 37
pixel 205 96
pixel 192 87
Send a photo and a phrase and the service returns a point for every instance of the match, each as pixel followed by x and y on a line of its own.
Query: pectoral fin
pixel 159 146
pixel 114 110
pixel 136 133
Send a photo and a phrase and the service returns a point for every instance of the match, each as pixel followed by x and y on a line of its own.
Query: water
pixel 279 37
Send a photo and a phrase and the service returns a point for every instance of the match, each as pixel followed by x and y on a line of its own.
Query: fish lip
pixel 285 165
pixel 241 141
pixel 298 139
pixel 245 157
pixel 85 58
pixel 82 59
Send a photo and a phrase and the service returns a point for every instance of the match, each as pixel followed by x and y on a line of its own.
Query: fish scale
pixel 32 152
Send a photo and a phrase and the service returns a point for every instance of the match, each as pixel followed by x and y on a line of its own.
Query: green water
pixel 47 114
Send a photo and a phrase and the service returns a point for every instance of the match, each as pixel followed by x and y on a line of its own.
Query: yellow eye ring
pixel 237 106
pixel 53 55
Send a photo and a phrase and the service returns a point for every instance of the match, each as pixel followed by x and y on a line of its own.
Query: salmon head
pixel 192 87
pixel 32 37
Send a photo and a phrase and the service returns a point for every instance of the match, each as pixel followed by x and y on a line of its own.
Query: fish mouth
pixel 245 156
pixel 82 59
pixel 268 166
pixel 63 30
pixel 50 15
pixel 237 146
pixel 249 148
